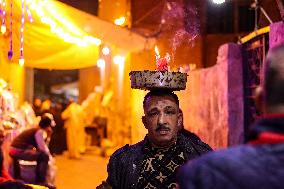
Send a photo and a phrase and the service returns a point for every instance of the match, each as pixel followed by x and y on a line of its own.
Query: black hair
pixel 274 76
pixel 160 93
pixel 45 121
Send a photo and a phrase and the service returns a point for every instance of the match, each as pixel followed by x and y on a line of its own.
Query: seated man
pixel 31 145
pixel 6 181
pixel 258 164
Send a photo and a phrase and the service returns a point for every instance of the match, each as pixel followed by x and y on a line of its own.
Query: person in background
pixel 31 145
pixel 4 175
pixel 74 122
pixel 152 163
pixel 37 106
pixel 259 163
pixel 58 138
pixel 45 107
pixel 6 181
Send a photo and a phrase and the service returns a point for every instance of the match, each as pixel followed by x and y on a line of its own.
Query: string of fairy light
pixel 38 8
pixel 21 60
pixel 3 6
pixel 10 52
pixel 4 10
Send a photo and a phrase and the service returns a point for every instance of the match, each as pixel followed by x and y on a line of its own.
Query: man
pixel 6 181
pixel 31 145
pixel 152 163
pixel 258 164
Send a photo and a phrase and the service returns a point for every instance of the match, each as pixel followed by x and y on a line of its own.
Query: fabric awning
pixel 45 49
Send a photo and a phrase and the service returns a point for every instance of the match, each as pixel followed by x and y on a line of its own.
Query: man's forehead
pixel 160 100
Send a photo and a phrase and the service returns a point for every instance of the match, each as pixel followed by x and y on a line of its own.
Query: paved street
pixel 85 173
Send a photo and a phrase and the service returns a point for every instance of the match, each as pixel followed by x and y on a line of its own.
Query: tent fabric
pixel 44 49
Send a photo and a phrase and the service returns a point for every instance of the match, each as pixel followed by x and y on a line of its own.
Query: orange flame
pixel 157 52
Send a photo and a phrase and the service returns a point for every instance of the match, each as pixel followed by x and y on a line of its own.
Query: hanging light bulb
pixel 3 29
pixel 120 21
pixel 21 61
pixel 105 51
pixel 119 60
pixel 101 63
pixel 218 1
pixel 3 26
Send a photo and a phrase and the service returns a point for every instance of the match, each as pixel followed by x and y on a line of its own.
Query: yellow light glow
pixel 218 1
pixel 105 51
pixel 33 6
pixel 93 40
pixel 120 21
pixel 118 59
pixel 82 43
pixel 3 29
pixel 21 61
pixel 101 63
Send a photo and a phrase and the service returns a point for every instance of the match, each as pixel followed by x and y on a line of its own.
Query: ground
pixel 84 173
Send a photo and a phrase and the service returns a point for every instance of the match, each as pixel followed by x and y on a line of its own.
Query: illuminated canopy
pixel 62 37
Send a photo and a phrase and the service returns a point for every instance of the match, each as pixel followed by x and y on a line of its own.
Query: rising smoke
pixel 183 21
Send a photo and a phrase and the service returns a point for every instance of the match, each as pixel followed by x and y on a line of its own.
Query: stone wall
pixel 213 101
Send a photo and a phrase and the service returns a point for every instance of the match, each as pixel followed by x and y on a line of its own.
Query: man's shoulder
pixel 189 139
pixel 120 151
pixel 235 152
pixel 127 150
pixel 223 158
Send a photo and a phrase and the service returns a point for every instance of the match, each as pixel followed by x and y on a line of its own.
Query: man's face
pixel 162 119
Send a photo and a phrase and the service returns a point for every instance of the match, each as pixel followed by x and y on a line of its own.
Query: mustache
pixel 162 127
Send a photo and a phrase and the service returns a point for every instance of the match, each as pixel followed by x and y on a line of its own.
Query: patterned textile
pixel 159 167
pixel 126 164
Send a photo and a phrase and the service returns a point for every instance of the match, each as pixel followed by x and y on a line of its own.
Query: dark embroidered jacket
pixel 125 164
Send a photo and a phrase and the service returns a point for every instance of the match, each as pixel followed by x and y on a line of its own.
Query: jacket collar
pixel 269 129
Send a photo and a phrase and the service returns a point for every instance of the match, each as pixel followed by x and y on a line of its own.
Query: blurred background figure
pixel 37 106
pixel 4 175
pixel 74 122
pixel 58 137
pixel 45 107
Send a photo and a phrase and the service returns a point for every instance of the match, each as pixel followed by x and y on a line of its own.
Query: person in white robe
pixel 74 121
